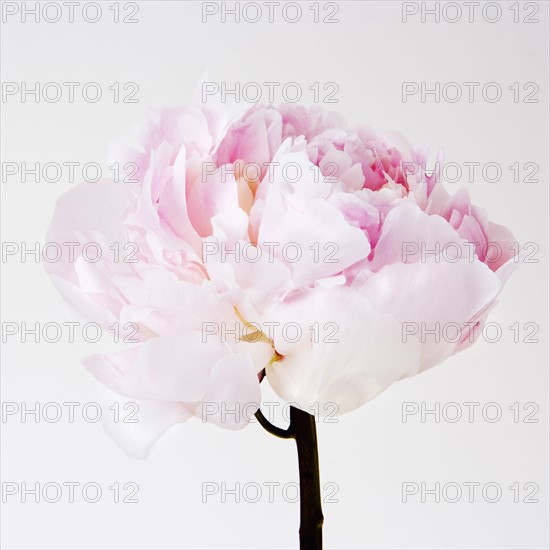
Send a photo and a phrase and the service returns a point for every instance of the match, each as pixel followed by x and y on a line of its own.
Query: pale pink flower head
pixel 283 243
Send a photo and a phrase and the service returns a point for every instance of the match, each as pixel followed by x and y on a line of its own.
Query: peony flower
pixel 312 240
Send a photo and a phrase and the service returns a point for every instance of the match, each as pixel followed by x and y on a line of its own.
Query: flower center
pixel 255 334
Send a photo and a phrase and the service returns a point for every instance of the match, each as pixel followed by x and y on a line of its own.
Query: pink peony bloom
pixel 308 236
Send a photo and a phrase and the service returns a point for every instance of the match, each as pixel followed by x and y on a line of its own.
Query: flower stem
pixel 302 429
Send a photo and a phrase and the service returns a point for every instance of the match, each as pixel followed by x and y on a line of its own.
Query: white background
pixel 368 453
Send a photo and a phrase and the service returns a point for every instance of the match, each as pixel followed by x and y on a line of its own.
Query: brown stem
pixel 302 429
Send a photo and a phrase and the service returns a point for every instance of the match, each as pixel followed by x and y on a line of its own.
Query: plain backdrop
pixel 367 455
